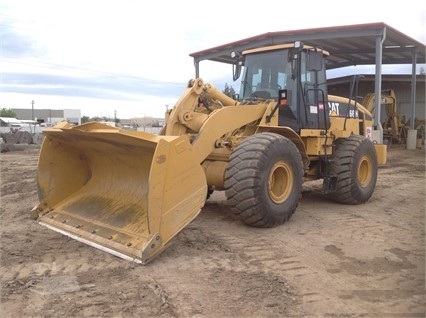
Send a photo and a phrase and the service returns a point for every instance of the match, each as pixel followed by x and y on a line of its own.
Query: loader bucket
pixel 125 192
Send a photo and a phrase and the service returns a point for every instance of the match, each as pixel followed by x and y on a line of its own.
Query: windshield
pixel 264 74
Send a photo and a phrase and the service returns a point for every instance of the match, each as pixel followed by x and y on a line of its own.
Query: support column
pixel 378 129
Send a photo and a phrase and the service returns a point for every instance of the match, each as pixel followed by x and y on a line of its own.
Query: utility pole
pixel 32 107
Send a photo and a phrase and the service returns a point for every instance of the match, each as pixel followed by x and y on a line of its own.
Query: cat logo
pixel 334 107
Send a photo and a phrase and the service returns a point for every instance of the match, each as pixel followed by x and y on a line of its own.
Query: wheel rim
pixel 364 171
pixel 280 182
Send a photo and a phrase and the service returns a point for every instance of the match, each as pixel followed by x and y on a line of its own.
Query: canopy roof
pixel 10 120
pixel 348 45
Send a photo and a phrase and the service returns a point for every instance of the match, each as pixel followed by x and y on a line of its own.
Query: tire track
pixel 281 251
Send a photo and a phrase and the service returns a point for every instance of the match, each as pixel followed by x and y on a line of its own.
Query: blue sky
pixel 132 57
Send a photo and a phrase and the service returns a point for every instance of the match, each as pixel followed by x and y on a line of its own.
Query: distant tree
pixel 7 113
pixel 86 119
pixel 229 91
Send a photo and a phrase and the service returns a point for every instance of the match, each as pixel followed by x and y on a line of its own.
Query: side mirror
pixel 236 71
pixel 237 65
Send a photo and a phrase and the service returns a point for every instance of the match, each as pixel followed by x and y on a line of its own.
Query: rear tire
pixel 355 166
pixel 263 181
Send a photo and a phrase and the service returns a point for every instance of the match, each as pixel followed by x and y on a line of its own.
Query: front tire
pixel 263 181
pixel 355 167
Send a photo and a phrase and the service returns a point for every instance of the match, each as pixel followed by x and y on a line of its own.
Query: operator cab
pixel 295 70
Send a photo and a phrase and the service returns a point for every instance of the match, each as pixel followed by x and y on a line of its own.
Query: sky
pixel 130 58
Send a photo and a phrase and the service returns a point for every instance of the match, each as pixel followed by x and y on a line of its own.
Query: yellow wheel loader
pixel 394 128
pixel 129 193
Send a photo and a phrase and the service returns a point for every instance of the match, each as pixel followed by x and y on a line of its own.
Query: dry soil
pixel 329 260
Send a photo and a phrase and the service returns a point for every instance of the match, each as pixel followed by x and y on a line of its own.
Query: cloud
pixel 104 53
pixel 101 87
pixel 15 45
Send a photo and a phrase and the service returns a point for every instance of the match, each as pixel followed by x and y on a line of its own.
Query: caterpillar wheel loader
pixel 129 193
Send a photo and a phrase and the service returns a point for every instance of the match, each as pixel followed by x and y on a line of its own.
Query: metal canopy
pixel 348 45
pixel 351 45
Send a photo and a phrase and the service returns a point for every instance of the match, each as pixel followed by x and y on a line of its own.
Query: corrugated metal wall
pixel 46 114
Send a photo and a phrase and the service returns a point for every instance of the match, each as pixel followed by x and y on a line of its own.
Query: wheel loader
pixel 394 127
pixel 130 193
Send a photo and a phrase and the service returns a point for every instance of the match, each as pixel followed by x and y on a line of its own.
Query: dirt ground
pixel 329 260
